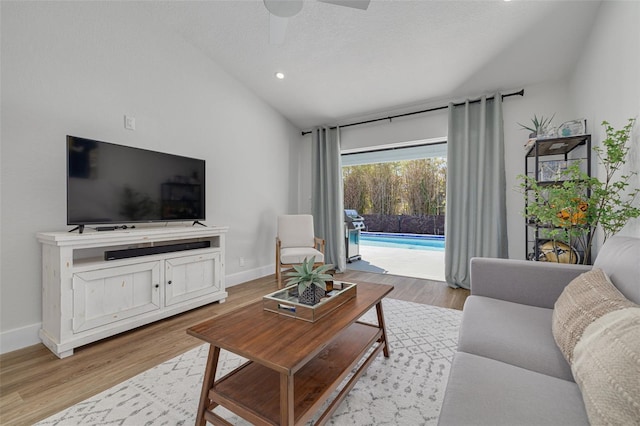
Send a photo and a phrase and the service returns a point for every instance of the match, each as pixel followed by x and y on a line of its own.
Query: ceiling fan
pixel 281 10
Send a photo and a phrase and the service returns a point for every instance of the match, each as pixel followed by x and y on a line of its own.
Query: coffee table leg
pixel 207 384
pixel 286 399
pixel 383 327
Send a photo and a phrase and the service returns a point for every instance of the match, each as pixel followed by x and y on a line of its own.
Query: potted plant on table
pixel 312 283
pixel 576 204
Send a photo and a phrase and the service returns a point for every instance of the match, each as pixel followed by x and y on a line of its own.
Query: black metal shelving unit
pixel 572 148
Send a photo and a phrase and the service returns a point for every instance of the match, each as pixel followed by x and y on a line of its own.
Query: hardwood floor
pixel 35 384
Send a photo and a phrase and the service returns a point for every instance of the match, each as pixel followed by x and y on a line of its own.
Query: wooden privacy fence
pixel 405 224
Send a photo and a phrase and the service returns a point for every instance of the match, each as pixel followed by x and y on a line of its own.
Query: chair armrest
pixel 319 244
pixel 522 281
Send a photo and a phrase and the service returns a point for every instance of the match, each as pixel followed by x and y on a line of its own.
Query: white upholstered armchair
pixel 295 242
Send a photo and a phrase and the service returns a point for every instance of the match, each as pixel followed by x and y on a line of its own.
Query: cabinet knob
pixel 157 285
pixel 169 282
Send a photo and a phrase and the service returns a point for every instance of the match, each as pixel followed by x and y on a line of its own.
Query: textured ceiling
pixel 342 63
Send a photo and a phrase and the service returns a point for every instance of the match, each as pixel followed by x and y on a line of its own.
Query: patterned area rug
pixel 406 388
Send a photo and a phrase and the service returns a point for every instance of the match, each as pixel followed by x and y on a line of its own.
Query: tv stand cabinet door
pixel 109 295
pixel 190 277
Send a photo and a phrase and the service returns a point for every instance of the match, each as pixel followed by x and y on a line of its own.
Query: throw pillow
pixel 606 366
pixel 587 298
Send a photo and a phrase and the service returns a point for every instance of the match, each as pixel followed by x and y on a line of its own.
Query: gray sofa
pixel 508 369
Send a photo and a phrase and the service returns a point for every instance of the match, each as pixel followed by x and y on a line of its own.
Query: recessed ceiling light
pixel 279 75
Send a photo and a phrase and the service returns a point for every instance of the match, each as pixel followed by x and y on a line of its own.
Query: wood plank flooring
pixel 35 384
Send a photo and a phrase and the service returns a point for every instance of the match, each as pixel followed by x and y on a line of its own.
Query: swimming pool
pixel 406 241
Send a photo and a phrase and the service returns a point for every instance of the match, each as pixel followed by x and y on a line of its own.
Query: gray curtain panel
pixel 327 203
pixel 476 215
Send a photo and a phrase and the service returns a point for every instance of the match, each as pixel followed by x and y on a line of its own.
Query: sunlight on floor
pixel 396 261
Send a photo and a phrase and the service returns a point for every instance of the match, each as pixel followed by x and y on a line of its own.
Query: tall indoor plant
pixel 576 204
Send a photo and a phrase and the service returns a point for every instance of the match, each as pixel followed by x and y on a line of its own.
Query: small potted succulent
pixel 312 283
pixel 539 126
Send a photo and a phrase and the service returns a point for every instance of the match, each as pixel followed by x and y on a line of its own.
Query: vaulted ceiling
pixel 341 63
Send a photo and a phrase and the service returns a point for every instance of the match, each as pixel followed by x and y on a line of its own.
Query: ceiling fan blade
pixel 356 4
pixel 277 29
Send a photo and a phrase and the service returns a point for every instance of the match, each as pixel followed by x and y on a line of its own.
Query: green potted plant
pixel 561 210
pixel 312 283
pixel 538 125
pixel 576 204
pixel 613 200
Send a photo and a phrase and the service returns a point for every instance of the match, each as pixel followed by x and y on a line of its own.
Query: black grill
pixel 353 220
pixel 353 224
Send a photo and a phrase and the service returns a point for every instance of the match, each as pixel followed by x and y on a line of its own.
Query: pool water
pixel 405 241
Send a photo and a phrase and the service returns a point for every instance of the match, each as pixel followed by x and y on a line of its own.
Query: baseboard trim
pixel 19 338
pixel 252 274
pixel 23 337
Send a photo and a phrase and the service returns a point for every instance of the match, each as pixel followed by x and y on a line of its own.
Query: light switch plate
pixel 129 122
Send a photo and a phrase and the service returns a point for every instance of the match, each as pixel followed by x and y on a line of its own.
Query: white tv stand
pixel 86 298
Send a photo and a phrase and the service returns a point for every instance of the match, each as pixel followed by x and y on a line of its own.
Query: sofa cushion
pixel 618 258
pixel 299 255
pixel 483 391
pixel 513 333
pixel 587 298
pixel 606 365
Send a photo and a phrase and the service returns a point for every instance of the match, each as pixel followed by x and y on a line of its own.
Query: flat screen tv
pixel 115 184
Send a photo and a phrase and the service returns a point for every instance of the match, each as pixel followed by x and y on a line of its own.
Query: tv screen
pixel 115 184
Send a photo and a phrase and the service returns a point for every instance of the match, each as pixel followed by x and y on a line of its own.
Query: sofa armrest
pixel 522 281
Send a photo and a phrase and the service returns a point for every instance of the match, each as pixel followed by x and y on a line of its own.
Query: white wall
pixel 77 68
pixel 604 86
pixel 606 82
pixel 429 125
pixel 545 99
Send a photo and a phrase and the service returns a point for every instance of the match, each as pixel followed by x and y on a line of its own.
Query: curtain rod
pixel 519 93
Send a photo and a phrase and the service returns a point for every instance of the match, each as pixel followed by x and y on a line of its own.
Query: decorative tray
pixel 285 302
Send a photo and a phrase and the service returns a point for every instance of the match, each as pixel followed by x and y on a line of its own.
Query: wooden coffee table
pixel 294 366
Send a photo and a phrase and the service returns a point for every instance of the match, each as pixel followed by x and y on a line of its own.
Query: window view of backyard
pixel 403 206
